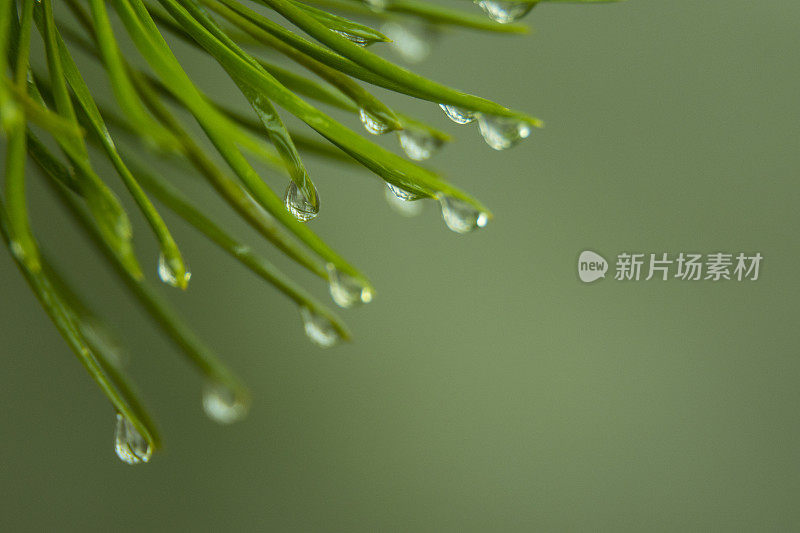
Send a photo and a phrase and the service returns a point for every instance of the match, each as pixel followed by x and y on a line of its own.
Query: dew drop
pixel 298 204
pixel 221 404
pixel 373 124
pixel 402 194
pixel 460 216
pixel 345 290
pixel 458 115
pixel 502 133
pixel 400 200
pixel 168 276
pixel 318 328
pixel 417 144
pixel 129 444
pixel 356 39
pixel 413 46
pixel 503 11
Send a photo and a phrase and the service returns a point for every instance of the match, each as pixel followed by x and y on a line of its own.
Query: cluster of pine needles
pixel 50 119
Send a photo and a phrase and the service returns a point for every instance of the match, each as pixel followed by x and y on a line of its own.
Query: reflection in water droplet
pixel 129 444
pixel 357 39
pixel 298 204
pixel 221 404
pixel 505 12
pixel 417 144
pixel 345 290
pixel 502 133
pixel 400 200
pixel 318 328
pixel 460 216
pixel 167 273
pixel 458 115
pixel 413 46
pixel 373 124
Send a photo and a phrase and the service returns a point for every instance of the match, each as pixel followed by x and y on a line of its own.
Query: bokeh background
pixel 487 388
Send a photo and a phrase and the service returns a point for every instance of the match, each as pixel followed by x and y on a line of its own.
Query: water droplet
pixel 357 39
pixel 418 145
pixel 458 115
pixel 129 444
pixel 502 133
pixel 298 204
pixel 396 197
pixel 221 404
pixel 402 194
pixel 413 46
pixel 505 12
pixel 168 276
pixel 460 216
pixel 373 124
pixel 347 291
pixel 318 328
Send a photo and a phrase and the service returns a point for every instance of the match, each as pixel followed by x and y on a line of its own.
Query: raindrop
pixel 460 216
pixel 401 201
pixel 221 404
pixel 418 145
pixel 299 205
pixel 373 124
pixel 504 11
pixel 402 194
pixel 413 46
pixel 458 115
pixel 129 444
pixel 167 273
pixel 502 133
pixel 356 39
pixel 346 291
pixel 318 328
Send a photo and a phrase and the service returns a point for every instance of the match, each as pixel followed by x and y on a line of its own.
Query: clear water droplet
pixel 345 290
pixel 298 204
pixel 402 194
pixel 129 444
pixel 460 216
pixel 167 274
pixel 502 133
pixel 356 39
pixel 411 45
pixel 417 144
pixel 221 404
pixel 318 328
pixel 396 197
pixel 373 124
pixel 505 12
pixel 458 115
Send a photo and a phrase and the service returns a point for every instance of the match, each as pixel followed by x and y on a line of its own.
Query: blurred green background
pixel 487 388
